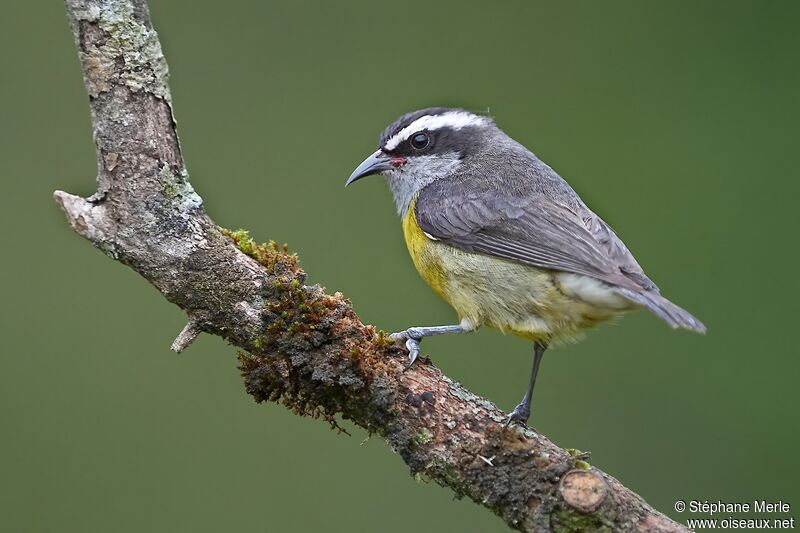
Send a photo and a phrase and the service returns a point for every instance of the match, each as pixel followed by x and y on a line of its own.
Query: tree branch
pixel 302 347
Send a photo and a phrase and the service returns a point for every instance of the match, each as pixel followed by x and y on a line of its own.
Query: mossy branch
pixel 301 346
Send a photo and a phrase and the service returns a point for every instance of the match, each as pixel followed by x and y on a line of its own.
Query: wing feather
pixel 529 228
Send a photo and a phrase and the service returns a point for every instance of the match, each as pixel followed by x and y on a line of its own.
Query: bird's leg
pixel 413 336
pixel 522 411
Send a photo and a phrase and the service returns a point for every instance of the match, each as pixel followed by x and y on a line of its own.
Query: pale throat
pixel 407 181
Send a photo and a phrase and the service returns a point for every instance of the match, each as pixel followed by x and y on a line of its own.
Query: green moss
pixel 286 308
pixel 268 254
pixel 382 339
pixel 290 315
pixel 422 437
pixel 291 309
pixel 580 459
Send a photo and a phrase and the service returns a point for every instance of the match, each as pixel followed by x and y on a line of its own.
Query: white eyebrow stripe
pixel 451 119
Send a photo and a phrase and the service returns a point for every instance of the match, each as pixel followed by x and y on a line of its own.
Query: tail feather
pixel 664 309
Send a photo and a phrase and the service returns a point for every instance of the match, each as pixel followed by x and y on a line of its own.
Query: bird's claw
pixel 413 351
pixel 413 337
pixel 520 415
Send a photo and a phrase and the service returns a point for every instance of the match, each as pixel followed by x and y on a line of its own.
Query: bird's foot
pixel 519 415
pixel 412 336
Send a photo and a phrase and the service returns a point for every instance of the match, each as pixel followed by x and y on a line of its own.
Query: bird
pixel 504 239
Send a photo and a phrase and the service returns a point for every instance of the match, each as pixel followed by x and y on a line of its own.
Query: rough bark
pixel 301 347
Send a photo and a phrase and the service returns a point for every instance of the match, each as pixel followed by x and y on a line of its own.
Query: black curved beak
pixel 374 164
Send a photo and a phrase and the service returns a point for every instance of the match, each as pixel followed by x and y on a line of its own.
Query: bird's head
pixel 423 146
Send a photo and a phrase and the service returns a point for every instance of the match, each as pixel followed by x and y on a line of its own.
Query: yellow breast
pixel 427 262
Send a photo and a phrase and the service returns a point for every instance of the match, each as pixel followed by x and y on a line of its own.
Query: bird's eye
pixel 420 141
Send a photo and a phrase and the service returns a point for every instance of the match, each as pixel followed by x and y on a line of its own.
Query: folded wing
pixel 528 226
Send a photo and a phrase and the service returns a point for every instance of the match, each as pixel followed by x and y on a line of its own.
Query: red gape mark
pixel 397 162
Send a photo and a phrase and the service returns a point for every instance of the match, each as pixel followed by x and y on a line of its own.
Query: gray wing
pixel 527 225
pixel 616 249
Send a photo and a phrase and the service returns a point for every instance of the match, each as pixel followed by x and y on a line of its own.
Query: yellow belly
pixel 506 295
pixel 427 259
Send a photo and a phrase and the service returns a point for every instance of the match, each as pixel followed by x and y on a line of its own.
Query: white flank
pixel 591 291
pixel 451 119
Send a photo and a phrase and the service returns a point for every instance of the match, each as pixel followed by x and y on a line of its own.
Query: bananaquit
pixel 503 238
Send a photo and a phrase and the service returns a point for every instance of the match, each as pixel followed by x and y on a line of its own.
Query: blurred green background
pixel 677 122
